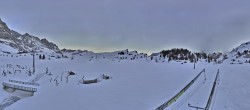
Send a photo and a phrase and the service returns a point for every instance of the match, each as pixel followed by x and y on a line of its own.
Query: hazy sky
pixel 143 25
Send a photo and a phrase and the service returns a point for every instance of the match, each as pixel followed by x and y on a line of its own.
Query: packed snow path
pixel 197 95
pixel 37 78
pixel 211 96
pixel 12 99
pixel 9 101
pixel 179 94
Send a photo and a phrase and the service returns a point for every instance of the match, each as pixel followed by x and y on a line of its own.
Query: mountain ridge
pixel 24 42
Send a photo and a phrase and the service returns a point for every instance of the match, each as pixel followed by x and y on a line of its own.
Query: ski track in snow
pixel 136 85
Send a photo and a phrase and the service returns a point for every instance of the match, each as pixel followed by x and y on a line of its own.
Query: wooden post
pixel 47 70
pixel 61 77
pixel 67 77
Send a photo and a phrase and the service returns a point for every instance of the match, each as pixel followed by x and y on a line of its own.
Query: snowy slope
pixel 240 54
pixel 123 90
pixel 139 81
pixel 7 48
pixel 135 85
pixel 242 47
pixel 113 56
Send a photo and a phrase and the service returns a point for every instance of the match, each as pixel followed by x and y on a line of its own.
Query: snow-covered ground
pixel 135 85
pixel 6 48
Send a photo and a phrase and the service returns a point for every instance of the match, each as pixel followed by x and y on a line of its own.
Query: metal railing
pixel 212 92
pixel 30 89
pixel 25 83
pixel 178 95
pixel 210 99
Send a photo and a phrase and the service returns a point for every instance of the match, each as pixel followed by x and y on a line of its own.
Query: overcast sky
pixel 143 25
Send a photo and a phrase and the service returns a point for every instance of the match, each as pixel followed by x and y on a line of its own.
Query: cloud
pixel 146 25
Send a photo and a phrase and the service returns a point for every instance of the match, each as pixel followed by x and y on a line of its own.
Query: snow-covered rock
pixel 243 47
pixel 25 42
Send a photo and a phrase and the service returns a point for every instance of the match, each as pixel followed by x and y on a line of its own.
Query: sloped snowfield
pixel 135 85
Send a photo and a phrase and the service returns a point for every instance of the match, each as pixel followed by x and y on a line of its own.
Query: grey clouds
pixel 143 25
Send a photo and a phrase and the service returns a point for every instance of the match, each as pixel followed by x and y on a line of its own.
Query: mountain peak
pixel 26 34
pixel 24 42
pixel 4 28
pixel 3 24
pixel 1 20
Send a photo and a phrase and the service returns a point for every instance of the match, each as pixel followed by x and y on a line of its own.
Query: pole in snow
pixel 61 77
pixel 194 63
pixel 33 52
pixel 33 61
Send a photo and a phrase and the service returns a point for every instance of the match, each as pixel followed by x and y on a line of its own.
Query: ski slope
pixel 135 85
